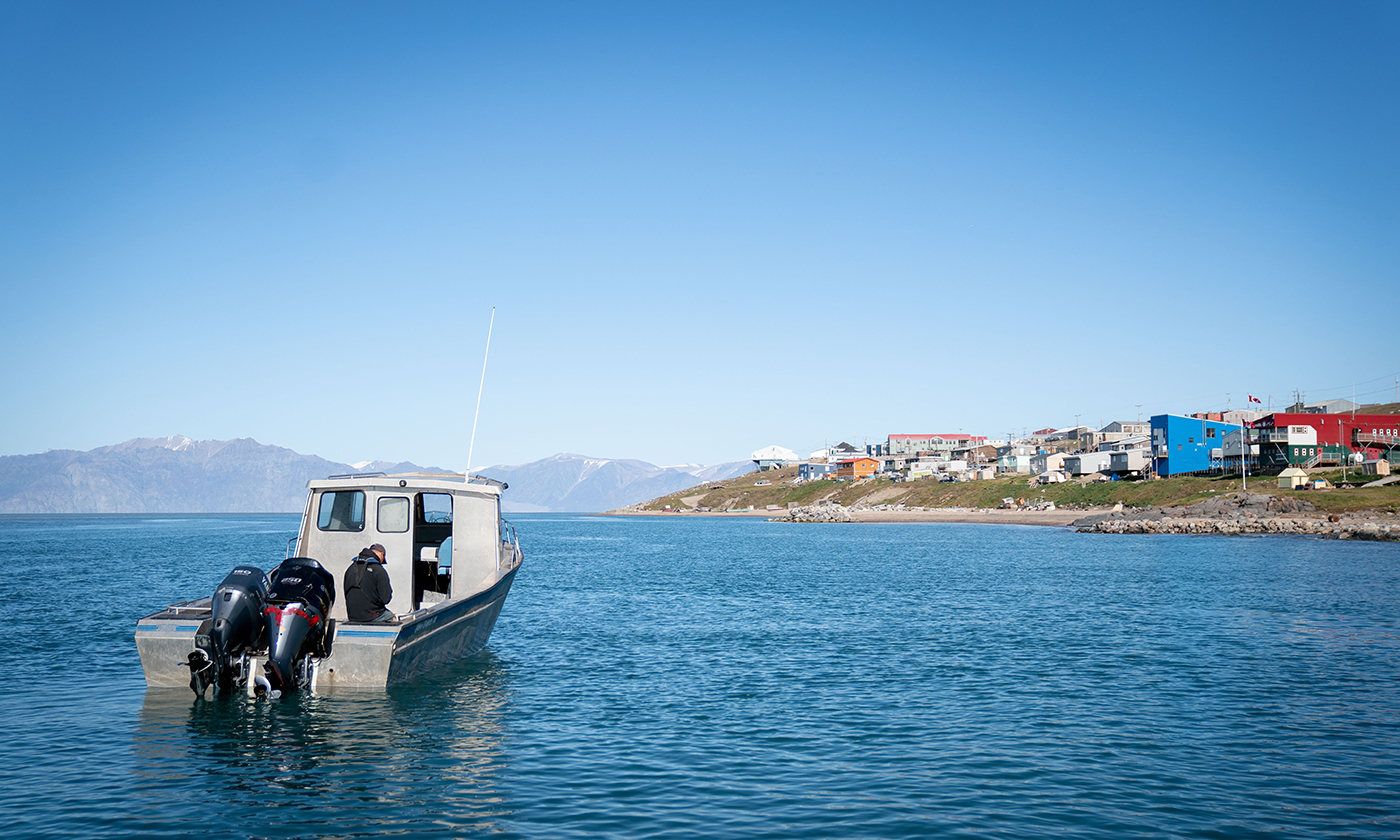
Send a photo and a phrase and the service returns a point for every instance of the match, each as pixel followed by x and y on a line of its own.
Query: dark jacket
pixel 367 590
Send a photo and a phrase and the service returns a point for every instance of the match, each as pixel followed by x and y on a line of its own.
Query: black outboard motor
pixel 297 616
pixel 220 657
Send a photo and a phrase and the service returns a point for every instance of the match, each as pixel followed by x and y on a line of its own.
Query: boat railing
pixel 509 556
pixel 291 542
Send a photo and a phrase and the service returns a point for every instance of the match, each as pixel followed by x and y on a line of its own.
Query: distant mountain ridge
pixel 179 475
pixel 578 483
pixel 164 475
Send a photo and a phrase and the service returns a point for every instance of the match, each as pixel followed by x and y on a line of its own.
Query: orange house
pixel 856 467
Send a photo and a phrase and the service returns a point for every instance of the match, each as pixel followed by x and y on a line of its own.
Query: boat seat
pixel 439 554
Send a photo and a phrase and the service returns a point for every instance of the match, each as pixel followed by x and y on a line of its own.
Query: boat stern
pixel 164 643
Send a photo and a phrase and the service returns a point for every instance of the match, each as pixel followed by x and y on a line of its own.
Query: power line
pixel 1387 377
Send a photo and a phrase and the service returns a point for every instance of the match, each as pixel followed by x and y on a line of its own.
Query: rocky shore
pixel 901 513
pixel 1243 513
pixel 815 513
pixel 1232 514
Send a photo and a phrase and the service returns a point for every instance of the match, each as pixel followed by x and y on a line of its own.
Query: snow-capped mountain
pixel 578 483
pixel 179 475
pixel 164 475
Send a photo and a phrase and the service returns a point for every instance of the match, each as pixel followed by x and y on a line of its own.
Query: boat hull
pixel 377 655
pixel 362 655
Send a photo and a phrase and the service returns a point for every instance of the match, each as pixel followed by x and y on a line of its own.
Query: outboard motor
pixel 297 616
pixel 220 657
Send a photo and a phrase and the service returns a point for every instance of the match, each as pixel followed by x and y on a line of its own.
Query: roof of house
pixel 775 453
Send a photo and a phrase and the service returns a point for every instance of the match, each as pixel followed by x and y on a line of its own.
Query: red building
pixel 1315 439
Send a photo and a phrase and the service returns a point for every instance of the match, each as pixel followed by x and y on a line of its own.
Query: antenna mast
pixel 472 446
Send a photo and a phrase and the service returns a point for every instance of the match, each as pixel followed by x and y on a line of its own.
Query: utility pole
pixel 1139 408
pixel 1342 452
pixel 1244 456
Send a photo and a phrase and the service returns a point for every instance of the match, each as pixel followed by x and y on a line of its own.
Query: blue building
pixel 1188 444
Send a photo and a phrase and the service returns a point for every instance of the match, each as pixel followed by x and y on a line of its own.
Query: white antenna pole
pixel 472 446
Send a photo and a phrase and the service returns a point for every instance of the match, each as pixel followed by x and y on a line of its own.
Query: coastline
pixel 975 516
pixel 1234 514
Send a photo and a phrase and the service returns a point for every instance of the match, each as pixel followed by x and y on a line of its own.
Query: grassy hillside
pixel 741 492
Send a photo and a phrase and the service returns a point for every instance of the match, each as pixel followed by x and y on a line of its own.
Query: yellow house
pixel 1292 478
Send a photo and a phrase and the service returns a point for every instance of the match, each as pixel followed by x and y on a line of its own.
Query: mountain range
pixel 178 475
pixel 567 482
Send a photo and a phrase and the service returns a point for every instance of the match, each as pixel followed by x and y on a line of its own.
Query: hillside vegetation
pixel 743 491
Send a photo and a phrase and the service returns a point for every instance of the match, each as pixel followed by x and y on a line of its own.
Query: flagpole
pixel 1244 454
pixel 1244 443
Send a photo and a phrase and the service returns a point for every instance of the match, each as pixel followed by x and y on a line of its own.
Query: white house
pixel 774 457
pixel 1087 463
pixel 1016 459
pixel 1048 462
pixel 1129 460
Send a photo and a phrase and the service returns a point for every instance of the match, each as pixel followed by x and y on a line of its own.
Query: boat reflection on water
pixel 425 758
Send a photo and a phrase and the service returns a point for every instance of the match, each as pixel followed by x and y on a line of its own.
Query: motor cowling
pixel 237 612
pixel 234 629
pixel 296 618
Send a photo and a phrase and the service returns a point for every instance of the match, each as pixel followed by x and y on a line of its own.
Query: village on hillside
pixel 1337 433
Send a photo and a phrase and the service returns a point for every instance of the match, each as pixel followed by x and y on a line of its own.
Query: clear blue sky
pixel 706 228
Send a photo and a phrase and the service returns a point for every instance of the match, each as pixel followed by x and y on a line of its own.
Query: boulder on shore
pixel 816 513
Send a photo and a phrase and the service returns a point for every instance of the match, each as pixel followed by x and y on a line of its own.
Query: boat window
pixel 342 510
pixel 393 515
pixel 437 508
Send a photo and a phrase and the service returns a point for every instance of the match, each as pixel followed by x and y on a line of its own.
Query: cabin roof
pixel 433 482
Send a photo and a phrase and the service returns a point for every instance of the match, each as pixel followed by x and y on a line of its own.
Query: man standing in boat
pixel 367 589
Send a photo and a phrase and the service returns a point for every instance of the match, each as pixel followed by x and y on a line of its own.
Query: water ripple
pixel 664 678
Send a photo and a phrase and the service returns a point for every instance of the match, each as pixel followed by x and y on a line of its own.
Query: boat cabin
pixel 441 535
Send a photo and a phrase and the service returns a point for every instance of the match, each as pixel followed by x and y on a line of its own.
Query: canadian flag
pixel 1253 398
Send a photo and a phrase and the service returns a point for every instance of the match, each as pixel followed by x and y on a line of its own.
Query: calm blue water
pixel 721 678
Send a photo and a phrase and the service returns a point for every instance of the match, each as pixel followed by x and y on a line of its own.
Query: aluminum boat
pixel 451 560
